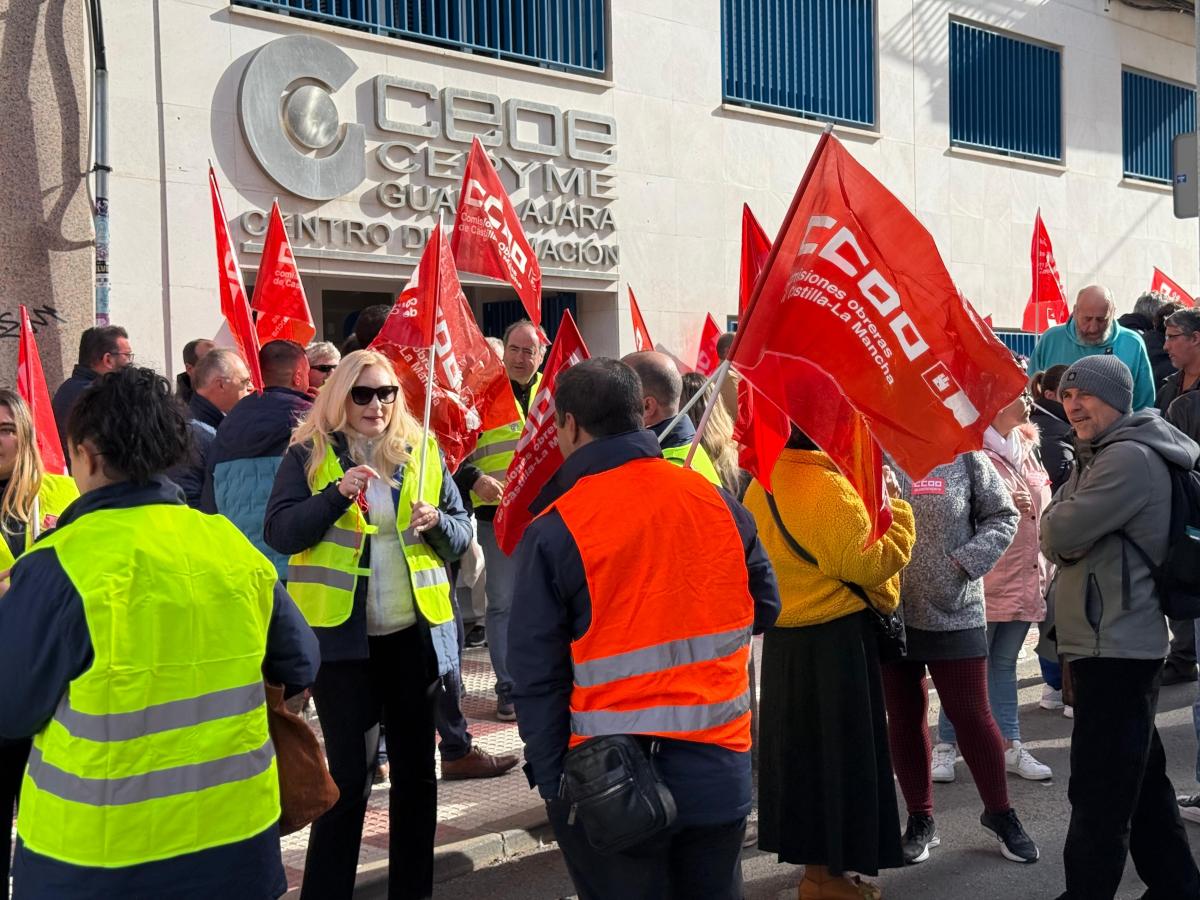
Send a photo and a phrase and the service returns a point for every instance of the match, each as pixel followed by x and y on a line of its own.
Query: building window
pixel 569 35
pixel 1153 111
pixel 814 58
pixel 1005 94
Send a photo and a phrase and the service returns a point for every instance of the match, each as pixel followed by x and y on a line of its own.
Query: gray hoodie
pixel 1104 599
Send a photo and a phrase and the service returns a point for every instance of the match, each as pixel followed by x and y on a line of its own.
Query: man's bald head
pixel 1094 313
pixel 662 384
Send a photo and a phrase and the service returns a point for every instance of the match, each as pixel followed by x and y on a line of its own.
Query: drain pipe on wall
pixel 100 166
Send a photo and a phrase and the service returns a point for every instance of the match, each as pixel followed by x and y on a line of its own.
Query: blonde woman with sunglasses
pixel 368 538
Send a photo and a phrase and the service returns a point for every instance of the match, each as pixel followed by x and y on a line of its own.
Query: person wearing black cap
pixel 1109 626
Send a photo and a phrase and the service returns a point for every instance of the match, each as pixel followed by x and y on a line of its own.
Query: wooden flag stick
pixel 720 374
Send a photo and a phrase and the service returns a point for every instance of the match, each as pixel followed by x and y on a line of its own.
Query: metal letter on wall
pixel 278 119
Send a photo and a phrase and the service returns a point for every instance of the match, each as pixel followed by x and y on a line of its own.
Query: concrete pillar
pixel 47 254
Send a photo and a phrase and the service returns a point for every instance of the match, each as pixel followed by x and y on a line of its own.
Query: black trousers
pixel 448 715
pixel 699 863
pixel 394 686
pixel 13 756
pixel 1182 656
pixel 1122 801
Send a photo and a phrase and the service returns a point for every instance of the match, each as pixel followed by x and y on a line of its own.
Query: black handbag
pixel 889 627
pixel 615 792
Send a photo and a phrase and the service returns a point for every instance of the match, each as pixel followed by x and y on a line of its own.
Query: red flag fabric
pixel 760 430
pixel 706 356
pixel 537 456
pixel 468 376
pixel 488 237
pixel 641 334
pixel 279 300
pixel 1047 301
pixel 1164 285
pixel 234 305
pixel 855 288
pixel 31 385
pixel 756 247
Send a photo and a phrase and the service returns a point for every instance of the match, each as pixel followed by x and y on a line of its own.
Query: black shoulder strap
pixel 856 589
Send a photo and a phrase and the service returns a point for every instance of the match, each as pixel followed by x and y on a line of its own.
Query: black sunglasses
pixel 325 367
pixel 363 395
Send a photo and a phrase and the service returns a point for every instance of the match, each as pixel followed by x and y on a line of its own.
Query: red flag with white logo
pixel 468 376
pixel 31 385
pixel 279 300
pixel 641 334
pixel 234 305
pixel 537 456
pixel 855 288
pixel 756 247
pixel 706 356
pixel 1164 285
pixel 1047 301
pixel 488 238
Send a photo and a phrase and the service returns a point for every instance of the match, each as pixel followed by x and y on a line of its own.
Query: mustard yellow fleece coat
pixel 826 517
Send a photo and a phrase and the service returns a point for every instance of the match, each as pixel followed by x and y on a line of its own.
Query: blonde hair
pixel 717 439
pixel 28 470
pixel 328 415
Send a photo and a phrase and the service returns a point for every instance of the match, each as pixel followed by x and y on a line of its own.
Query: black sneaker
pixel 476 637
pixel 1015 844
pixel 919 838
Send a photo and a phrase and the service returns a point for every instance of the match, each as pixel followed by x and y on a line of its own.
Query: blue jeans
pixel 500 574
pixel 1051 673
pixel 1004 643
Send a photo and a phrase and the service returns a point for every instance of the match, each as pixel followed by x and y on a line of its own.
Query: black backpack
pixel 1178 578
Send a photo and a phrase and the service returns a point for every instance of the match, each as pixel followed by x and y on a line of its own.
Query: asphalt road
pixel 967 865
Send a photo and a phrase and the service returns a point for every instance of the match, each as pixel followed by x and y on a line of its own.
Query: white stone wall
pixel 685 161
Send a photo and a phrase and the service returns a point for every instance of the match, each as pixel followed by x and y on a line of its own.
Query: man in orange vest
pixel 640 586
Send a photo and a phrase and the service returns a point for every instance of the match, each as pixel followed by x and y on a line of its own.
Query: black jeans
pixel 13 755
pixel 1122 801
pixel 395 686
pixel 697 863
pixel 1182 657
pixel 448 715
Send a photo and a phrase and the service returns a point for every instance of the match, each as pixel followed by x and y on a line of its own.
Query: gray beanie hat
pixel 1103 376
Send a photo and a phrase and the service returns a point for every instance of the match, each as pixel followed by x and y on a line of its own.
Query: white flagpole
pixel 692 402
pixel 437 300
pixel 716 398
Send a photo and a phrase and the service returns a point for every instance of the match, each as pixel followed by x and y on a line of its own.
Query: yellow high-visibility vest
pixel 56 494
pixel 497 446
pixel 701 461
pixel 160 748
pixel 322 578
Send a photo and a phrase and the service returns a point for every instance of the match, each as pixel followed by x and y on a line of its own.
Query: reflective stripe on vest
pixel 161 748
pixel 322 579
pixel 664 561
pixel 701 461
pixel 497 446
pixel 56 494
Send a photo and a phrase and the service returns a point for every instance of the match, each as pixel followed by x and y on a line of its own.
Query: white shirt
pixel 390 604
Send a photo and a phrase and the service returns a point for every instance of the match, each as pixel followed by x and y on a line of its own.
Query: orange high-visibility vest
pixel 667 650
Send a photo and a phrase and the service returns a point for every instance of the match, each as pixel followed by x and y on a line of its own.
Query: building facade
pixel 629 133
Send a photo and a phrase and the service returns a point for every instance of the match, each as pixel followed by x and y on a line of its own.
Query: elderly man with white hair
pixel 1093 330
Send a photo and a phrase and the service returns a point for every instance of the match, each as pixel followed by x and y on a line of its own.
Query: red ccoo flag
pixel 641 334
pixel 234 306
pixel 1164 285
pixel 538 456
pixel 1047 301
pixel 488 238
pixel 855 288
pixel 706 356
pixel 283 313
pixel 756 247
pixel 31 385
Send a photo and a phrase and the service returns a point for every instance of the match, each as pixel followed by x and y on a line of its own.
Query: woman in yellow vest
pixel 369 537
pixel 134 640
pixel 31 500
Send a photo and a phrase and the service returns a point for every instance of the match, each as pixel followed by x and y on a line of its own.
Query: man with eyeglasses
pixel 483 472
pixel 102 349
pixel 219 380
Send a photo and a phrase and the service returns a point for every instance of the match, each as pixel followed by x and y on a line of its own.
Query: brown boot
pixel 478 763
pixel 820 884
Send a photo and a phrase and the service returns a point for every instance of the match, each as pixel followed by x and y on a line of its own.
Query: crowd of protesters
pixel 322 545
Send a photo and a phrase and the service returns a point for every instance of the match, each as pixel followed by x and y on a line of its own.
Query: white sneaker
pixel 1051 699
pixel 1021 762
pixel 1069 712
pixel 944 757
pixel 1189 807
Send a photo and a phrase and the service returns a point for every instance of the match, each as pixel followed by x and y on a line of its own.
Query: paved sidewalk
pixel 471 814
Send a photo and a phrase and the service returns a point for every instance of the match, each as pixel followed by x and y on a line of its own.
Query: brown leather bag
pixel 306 789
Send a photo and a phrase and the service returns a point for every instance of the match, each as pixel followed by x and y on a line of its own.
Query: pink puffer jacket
pixel 1015 590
